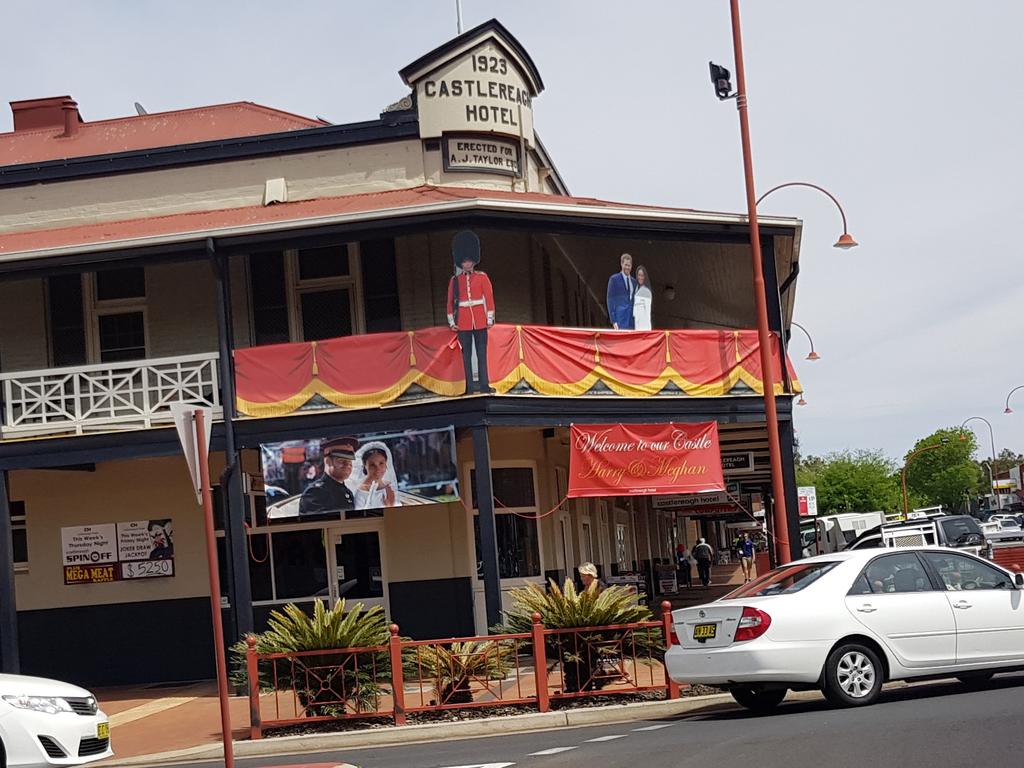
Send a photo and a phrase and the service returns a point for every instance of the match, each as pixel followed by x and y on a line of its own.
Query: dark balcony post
pixel 789 482
pixel 774 297
pixel 232 489
pixel 9 663
pixel 488 553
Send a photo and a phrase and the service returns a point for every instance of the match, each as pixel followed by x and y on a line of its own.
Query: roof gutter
pixel 426 209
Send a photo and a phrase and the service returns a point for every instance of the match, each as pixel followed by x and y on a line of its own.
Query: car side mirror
pixel 1018 580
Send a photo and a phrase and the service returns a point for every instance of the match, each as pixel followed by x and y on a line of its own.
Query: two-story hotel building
pixel 290 275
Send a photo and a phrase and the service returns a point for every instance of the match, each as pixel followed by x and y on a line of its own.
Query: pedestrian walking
pixel 746 553
pixel 703 554
pixel 683 565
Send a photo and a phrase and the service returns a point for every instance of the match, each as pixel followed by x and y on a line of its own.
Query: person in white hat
pixel 588 575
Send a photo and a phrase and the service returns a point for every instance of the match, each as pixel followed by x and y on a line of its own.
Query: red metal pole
pixel 764 336
pixel 397 675
pixel 252 668
pixel 540 664
pixel 671 686
pixel 211 560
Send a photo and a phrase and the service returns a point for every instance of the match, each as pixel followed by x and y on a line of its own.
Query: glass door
pixel 358 568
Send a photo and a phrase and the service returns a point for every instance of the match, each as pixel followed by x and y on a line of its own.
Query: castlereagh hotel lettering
pixel 481 89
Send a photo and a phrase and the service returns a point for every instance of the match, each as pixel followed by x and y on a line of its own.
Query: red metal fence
pixel 406 676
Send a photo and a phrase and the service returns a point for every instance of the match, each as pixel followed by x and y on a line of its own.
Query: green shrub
pixel 454 666
pixel 588 660
pixel 327 684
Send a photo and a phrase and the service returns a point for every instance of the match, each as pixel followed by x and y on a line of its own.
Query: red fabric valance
pixel 378 368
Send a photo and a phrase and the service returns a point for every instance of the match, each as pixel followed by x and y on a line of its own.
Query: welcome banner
pixel 644 459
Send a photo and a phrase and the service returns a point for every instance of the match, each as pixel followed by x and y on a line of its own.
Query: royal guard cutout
pixel 471 308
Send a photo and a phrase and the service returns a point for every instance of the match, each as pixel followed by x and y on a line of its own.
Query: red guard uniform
pixel 475 301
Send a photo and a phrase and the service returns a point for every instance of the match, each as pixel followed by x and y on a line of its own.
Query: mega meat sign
pixel 644 459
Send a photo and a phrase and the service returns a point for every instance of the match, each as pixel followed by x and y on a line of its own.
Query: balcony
pixel 109 396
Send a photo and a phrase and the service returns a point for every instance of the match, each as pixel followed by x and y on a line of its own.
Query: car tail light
pixel 753 623
pixel 673 638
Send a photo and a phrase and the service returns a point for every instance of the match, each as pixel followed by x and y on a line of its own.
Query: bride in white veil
pixel 373 481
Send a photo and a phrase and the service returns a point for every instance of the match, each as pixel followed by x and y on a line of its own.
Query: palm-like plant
pixel 454 666
pixel 325 684
pixel 583 655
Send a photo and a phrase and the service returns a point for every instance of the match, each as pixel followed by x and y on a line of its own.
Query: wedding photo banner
pixel 644 459
pixel 326 478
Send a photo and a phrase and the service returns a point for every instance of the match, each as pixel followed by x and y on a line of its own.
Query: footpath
pixel 166 724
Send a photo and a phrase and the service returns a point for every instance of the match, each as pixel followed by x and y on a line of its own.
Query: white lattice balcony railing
pixel 134 394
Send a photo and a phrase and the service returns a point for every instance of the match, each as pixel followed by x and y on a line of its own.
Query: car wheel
pixel 975 678
pixel 853 676
pixel 757 700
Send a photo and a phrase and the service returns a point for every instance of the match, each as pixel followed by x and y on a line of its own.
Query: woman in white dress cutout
pixel 642 300
pixel 373 482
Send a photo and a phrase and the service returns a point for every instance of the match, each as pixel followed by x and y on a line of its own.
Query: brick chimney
pixel 55 112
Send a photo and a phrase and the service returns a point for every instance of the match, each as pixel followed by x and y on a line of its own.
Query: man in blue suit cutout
pixel 621 290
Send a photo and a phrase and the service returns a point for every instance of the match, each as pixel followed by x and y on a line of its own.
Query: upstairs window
pixel 310 294
pixel 97 317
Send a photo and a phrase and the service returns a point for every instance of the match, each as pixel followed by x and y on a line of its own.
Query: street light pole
pixel 782 551
pixel 992 471
pixel 813 355
pixel 1008 408
pixel 845 240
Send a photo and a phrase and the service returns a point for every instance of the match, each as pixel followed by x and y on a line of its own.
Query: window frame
pixel 19 523
pixel 95 308
pixel 936 586
pixel 936 575
pixel 472 513
pixel 296 287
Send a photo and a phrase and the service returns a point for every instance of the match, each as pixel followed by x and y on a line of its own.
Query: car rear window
pixel 958 529
pixel 783 581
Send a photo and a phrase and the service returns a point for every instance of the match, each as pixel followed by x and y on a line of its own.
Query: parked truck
pixel 833 532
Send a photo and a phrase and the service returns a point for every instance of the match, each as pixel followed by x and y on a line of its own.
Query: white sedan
pixel 46 722
pixel 847 622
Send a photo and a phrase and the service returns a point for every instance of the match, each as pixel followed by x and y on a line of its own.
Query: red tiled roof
pixel 295 213
pixel 160 129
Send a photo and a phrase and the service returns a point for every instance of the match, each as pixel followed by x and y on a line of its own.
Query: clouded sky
pixel 908 111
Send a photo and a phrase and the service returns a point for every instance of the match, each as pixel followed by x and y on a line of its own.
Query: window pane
pixel 331 261
pixel 959 572
pixel 380 286
pixel 122 337
pixel 513 487
pixel 326 314
pixel 128 283
pixel 19 542
pixel 300 564
pixel 783 581
pixel 518 552
pixel 359 573
pixel 897 573
pixel 67 321
pixel 269 301
pixel 260 575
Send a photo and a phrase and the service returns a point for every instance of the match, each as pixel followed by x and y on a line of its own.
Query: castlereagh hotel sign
pixel 476 94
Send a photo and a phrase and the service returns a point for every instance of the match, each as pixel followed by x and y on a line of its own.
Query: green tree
pixel 942 469
pixel 852 481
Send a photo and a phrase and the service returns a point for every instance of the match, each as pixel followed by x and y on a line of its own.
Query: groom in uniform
pixel 621 290
pixel 330 493
pixel 471 308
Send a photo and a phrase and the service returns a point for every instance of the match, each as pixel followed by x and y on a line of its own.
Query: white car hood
pixel 20 685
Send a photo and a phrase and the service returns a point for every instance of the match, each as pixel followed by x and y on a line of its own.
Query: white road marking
pixel 483 765
pixel 655 727
pixel 552 751
pixel 607 738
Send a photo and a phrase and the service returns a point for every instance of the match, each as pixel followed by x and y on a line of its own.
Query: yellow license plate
pixel 103 730
pixel 705 631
